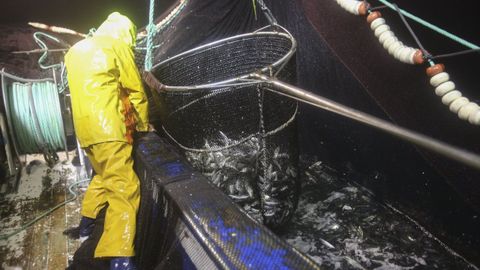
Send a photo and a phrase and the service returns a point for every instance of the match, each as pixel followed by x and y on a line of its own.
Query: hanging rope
pixel 36 116
pixel 266 11
pixel 410 30
pixel 160 26
pixel 63 84
pixel 42 45
pixel 150 34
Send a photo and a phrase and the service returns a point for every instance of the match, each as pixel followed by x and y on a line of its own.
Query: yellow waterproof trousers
pixel 116 184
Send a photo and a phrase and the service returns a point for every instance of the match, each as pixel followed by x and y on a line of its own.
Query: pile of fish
pixel 262 182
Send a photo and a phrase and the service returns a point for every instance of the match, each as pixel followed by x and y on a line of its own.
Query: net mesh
pixel 239 135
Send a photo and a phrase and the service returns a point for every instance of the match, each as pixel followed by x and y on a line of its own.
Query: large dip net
pixel 240 136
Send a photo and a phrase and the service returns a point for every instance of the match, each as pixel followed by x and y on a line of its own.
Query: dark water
pixel 341 226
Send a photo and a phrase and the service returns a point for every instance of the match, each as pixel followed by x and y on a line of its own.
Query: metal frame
pixel 240 79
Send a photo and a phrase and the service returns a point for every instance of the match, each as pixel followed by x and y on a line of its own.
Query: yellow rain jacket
pixel 108 103
pixel 102 74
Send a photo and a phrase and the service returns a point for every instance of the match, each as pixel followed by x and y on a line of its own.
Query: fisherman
pixel 109 104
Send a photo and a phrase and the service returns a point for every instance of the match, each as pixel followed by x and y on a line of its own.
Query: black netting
pixel 238 134
pixel 224 60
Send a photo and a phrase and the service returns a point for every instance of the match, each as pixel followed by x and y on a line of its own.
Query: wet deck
pixel 42 245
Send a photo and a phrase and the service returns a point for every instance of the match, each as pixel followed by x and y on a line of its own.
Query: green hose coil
pixel 44 101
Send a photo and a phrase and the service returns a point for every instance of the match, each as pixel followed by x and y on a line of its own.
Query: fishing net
pixel 229 128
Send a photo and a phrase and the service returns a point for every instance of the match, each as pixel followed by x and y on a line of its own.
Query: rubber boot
pixel 122 263
pixel 86 227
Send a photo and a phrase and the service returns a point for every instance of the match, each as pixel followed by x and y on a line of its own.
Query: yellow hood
pixel 118 27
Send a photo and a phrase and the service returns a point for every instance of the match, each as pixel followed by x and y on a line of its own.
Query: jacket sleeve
pixel 130 81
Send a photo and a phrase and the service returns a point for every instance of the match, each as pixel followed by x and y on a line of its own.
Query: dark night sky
pixel 80 15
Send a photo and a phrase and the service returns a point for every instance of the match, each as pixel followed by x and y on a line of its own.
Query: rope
pixel 162 24
pixel 42 45
pixel 42 105
pixel 63 79
pixel 263 151
pixel 456 53
pixel 407 25
pixel 63 83
pixel 440 80
pixel 353 5
pixel 432 27
pixel 150 33
pixel 377 8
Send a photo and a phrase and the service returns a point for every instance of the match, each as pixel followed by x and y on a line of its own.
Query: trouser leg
pixel 121 186
pixel 94 199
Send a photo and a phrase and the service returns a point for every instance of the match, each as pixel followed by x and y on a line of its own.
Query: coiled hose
pixel 36 116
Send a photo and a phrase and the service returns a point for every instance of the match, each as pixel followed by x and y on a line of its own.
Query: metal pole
pixel 64 134
pixel 419 139
pixel 6 141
